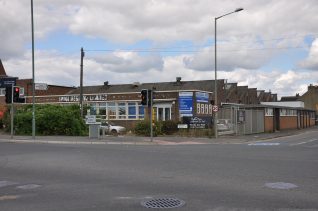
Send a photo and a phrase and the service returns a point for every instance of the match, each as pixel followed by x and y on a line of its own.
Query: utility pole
pixel 33 80
pixel 81 82
pixel 151 115
pixel 12 111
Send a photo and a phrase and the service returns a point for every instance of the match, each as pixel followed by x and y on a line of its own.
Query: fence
pixel 233 120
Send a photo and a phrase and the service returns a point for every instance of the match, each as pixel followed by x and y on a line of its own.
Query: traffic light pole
pixel 151 113
pixel 12 111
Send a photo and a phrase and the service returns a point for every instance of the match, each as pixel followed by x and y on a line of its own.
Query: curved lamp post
pixel 215 70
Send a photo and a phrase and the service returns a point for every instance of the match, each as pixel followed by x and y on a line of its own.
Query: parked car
pixel 111 128
pixel 224 124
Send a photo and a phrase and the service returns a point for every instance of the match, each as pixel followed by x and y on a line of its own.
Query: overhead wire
pixel 199 47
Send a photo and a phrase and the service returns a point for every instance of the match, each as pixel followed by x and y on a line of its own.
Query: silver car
pixel 110 128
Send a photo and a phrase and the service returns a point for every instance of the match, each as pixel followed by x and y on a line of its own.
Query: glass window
pixel 93 109
pixel 160 114
pixel 167 114
pixel 141 112
pixel 2 91
pixel 122 110
pixel 132 111
pixel 111 110
pixel 268 112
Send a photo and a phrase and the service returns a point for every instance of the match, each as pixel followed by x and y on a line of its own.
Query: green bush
pixel 50 120
pixel 159 128
pixel 169 127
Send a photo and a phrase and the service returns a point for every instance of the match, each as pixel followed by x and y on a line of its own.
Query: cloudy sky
pixel 270 45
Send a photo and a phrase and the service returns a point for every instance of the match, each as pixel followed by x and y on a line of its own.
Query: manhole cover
pixel 162 203
pixel 281 185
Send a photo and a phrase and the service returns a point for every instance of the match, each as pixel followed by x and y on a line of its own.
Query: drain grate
pixel 162 203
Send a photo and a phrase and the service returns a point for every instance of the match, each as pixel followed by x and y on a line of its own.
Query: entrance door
pixel 276 119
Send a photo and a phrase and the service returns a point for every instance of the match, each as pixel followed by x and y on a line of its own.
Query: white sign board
pixel 90 119
pixel 182 126
pixel 40 86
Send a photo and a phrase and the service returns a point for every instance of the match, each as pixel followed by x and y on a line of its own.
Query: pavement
pixel 129 139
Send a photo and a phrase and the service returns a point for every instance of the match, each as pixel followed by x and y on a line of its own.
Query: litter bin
pixel 94 130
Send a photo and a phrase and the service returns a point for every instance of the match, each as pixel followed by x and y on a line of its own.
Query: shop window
pixel 122 110
pixel 132 111
pixel 111 110
pixel 141 112
pixel 167 113
pixel 160 114
pixel 269 112
pixel 163 112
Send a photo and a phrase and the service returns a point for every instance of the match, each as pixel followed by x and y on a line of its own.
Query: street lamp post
pixel 215 70
pixel 33 76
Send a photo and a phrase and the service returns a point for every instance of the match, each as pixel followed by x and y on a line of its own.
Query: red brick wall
pixel 269 124
pixel 288 122
pixel 52 90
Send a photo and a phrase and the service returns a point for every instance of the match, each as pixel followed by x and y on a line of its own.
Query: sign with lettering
pixel 90 119
pixel 40 86
pixel 202 97
pixel 86 98
pixel 7 82
pixel 186 104
pixel 198 122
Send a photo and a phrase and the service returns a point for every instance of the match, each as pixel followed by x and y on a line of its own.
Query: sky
pixel 271 45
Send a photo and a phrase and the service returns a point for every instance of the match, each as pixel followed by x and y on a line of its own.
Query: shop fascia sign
pixel 86 98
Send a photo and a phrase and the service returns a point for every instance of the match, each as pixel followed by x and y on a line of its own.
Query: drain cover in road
pixel 281 185
pixel 162 203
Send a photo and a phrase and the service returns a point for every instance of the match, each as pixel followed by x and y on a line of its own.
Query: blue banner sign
pixel 202 97
pixel 7 82
pixel 186 104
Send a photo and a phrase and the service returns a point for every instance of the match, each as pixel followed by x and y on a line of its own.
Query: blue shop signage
pixel 202 97
pixel 186 104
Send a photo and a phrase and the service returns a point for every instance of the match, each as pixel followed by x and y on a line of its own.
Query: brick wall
pixel 269 123
pixel 288 122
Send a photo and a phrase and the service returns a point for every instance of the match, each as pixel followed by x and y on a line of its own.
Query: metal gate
pixel 240 121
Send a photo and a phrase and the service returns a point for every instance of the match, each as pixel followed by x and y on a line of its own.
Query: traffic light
pixel 149 97
pixel 16 94
pixel 144 97
pixel 9 94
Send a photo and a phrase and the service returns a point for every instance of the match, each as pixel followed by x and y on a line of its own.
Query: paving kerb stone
pixel 162 140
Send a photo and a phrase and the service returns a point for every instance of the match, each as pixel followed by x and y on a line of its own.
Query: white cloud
pixel 311 62
pixel 124 62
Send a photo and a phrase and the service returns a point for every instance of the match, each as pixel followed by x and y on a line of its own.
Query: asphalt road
pixel 277 174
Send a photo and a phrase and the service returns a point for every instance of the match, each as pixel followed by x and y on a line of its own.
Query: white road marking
pixel 263 144
pixel 305 142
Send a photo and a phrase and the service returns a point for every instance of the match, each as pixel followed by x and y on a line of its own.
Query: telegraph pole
pixel 33 84
pixel 81 81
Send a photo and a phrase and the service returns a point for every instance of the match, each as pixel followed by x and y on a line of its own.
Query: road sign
pixel 40 86
pixel 215 108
